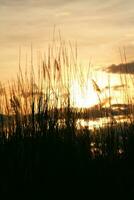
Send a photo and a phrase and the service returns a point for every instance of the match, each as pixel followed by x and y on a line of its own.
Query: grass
pixel 40 142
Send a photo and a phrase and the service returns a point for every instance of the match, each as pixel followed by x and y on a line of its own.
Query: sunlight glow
pixel 83 96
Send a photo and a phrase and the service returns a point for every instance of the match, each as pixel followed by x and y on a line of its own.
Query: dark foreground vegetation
pixel 42 150
pixel 59 161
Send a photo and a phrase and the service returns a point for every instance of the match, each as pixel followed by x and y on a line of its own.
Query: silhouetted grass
pixel 41 146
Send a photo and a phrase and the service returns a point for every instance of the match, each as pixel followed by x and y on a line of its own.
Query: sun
pixel 83 96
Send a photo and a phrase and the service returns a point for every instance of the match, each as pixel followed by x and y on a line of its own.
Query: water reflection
pixel 102 122
pixel 93 124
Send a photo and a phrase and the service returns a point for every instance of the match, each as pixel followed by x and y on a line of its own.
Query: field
pixel 41 146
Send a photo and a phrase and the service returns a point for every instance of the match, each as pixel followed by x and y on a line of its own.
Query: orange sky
pixel 100 27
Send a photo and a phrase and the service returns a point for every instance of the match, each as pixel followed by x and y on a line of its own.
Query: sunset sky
pixel 100 27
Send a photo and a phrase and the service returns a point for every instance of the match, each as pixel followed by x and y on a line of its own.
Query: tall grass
pixel 40 136
pixel 40 103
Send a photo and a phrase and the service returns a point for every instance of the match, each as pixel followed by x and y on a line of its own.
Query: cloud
pixel 38 3
pixel 97 26
pixel 115 87
pixel 103 6
pixel 118 87
pixel 127 68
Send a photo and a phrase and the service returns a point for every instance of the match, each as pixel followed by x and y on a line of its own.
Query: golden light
pixel 83 96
